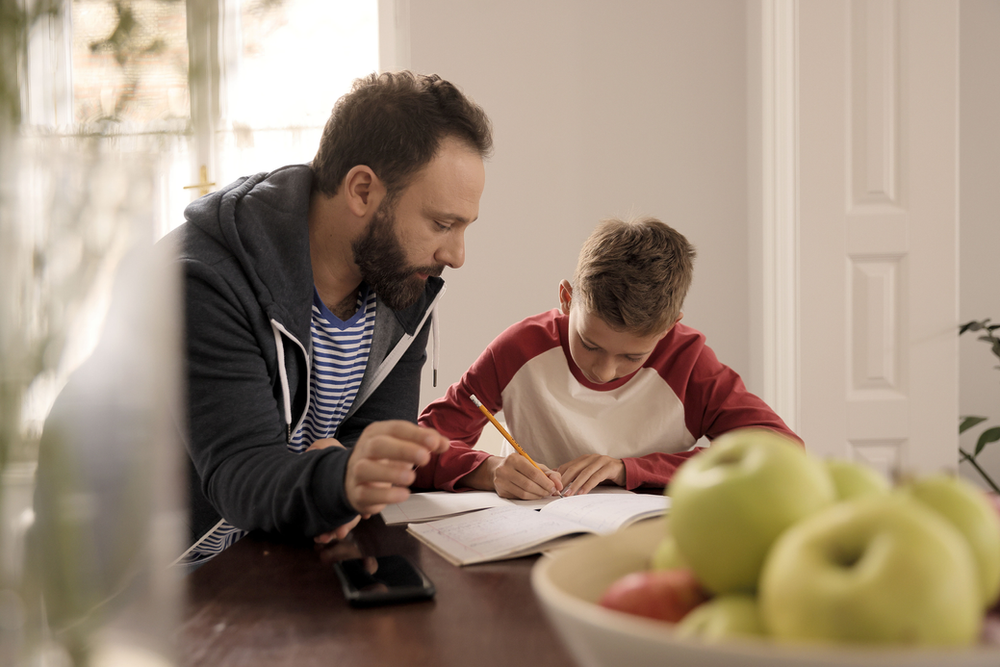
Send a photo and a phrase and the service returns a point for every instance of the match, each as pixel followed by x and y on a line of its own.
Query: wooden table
pixel 263 602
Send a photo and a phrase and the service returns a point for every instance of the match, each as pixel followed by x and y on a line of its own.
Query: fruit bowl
pixel 569 582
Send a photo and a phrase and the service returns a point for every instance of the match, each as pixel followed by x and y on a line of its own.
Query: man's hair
pixel 634 274
pixel 394 123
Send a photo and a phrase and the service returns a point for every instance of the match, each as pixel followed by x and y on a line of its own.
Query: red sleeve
pixel 715 401
pixel 726 403
pixel 714 396
pixel 654 470
pixel 457 418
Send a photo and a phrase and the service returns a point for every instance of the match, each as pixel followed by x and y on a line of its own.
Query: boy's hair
pixel 634 274
pixel 394 123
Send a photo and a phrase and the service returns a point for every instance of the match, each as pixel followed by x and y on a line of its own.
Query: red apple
pixel 994 499
pixel 666 595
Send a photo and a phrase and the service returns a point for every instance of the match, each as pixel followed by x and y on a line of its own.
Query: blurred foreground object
pixel 89 377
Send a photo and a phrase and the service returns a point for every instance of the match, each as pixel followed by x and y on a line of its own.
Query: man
pixel 309 297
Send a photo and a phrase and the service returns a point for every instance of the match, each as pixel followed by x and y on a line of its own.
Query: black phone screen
pixel 382 580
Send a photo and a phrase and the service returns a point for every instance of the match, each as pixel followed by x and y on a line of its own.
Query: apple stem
pixel 972 459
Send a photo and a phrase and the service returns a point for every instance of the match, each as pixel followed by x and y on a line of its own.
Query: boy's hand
pixel 382 463
pixel 515 477
pixel 584 473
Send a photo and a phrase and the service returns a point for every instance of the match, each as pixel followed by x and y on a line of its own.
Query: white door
pixel 865 213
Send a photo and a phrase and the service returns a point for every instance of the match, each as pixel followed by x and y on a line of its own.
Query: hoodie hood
pixel 263 222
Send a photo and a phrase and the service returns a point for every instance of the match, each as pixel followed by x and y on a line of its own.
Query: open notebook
pixel 511 531
pixel 431 505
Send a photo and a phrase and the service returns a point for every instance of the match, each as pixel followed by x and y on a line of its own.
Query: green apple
pixel 876 569
pixel 968 509
pixel 853 479
pixel 667 556
pixel 723 617
pixel 730 502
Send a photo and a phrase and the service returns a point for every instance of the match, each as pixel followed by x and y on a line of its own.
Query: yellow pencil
pixel 505 434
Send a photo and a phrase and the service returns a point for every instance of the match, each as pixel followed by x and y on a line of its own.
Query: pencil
pixel 505 434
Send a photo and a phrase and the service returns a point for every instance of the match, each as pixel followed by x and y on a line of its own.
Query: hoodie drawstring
pixel 283 374
pixel 436 345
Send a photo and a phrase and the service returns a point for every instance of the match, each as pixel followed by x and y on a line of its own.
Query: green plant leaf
pixel 974 325
pixel 969 421
pixel 986 437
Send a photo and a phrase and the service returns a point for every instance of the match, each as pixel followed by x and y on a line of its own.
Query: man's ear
pixel 363 190
pixel 565 296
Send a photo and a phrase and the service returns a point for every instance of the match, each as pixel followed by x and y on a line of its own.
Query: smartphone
pixel 383 580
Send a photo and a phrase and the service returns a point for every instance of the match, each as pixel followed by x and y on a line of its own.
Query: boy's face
pixel 603 354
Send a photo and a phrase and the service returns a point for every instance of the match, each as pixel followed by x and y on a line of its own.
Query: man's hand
pixel 338 533
pixel 584 473
pixel 381 467
pixel 515 477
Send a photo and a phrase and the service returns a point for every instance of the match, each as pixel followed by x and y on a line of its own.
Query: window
pixel 210 90
pixel 215 89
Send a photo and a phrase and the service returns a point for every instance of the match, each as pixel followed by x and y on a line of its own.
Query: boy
pixel 608 388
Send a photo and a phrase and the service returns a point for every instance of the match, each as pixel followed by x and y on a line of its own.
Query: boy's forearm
pixel 482 477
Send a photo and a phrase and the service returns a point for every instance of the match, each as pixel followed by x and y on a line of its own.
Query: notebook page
pixel 439 504
pixel 492 534
pixel 539 503
pixel 606 513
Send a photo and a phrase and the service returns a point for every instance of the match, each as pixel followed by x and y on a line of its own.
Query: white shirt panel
pixel 556 419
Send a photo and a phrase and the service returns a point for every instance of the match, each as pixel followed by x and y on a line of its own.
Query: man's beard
pixel 382 261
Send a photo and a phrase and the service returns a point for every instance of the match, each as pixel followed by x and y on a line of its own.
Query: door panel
pixel 878 223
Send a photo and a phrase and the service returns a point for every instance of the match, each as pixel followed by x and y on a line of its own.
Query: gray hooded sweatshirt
pixel 244 252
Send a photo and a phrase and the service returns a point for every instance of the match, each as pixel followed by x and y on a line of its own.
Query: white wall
pixel 599 109
pixel 979 256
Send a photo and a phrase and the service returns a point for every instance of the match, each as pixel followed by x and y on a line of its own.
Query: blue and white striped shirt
pixel 340 354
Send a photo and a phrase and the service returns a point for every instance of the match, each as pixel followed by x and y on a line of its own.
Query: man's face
pixel 422 230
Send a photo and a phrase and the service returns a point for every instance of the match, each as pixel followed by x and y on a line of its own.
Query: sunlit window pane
pixel 130 64
pixel 294 59
pixel 298 56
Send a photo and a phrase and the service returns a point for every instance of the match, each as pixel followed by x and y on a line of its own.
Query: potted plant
pixel 966 422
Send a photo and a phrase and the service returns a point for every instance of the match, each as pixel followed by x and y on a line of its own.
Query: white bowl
pixel 570 582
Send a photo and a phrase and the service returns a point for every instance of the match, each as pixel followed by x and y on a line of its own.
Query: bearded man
pixel 309 298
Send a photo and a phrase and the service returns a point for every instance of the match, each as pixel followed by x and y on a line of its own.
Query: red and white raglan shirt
pixel 650 419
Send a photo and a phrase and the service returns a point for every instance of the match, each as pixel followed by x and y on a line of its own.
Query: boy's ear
pixel 363 190
pixel 680 316
pixel 565 296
